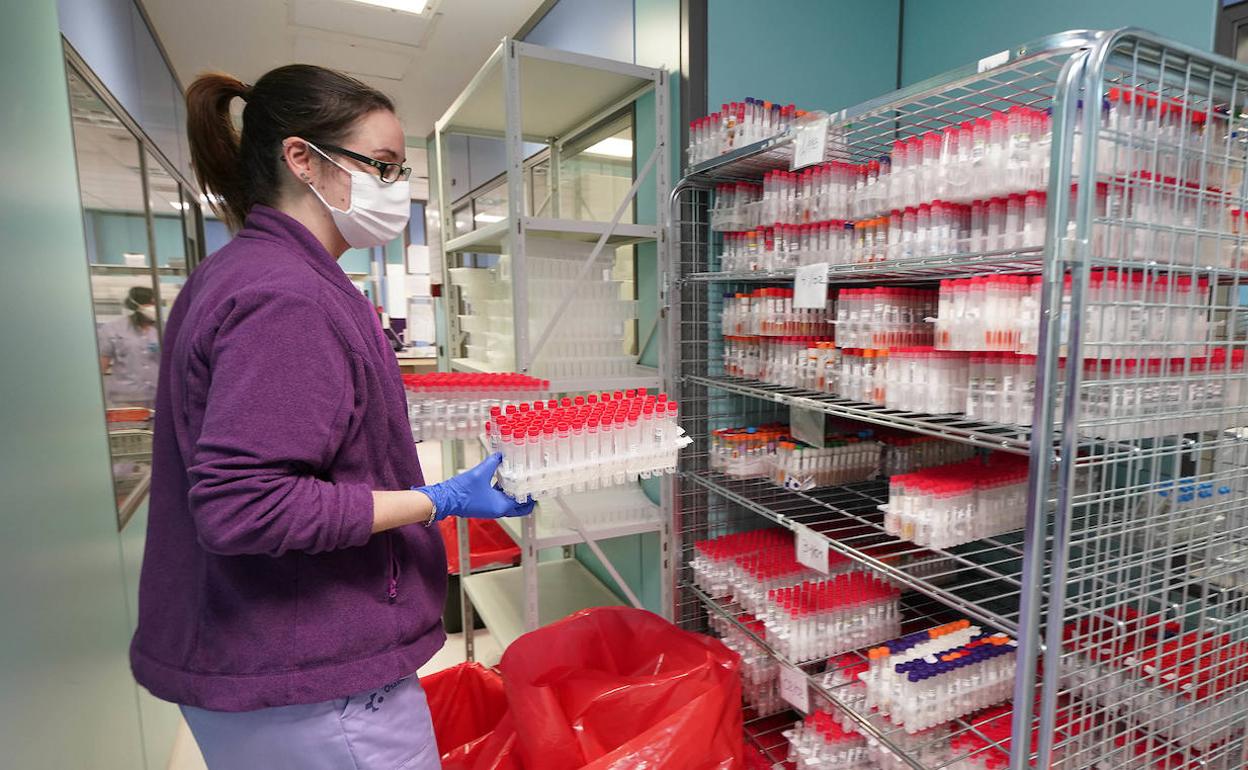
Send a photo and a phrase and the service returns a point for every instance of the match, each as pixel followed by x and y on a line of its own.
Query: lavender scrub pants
pixel 384 729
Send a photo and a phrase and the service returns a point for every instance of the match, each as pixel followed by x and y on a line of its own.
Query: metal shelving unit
pixel 514 600
pixel 566 533
pixel 1090 549
pixel 503 602
pixel 528 93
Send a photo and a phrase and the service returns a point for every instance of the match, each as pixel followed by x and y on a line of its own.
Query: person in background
pixel 291 583
pixel 130 352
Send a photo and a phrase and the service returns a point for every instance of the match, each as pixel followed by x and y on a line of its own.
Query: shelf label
pixel 812 549
pixel 807 425
pixel 793 688
pixel 996 60
pixel 810 286
pixel 810 141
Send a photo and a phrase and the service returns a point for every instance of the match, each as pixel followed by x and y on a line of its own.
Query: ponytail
pixel 238 171
pixel 216 145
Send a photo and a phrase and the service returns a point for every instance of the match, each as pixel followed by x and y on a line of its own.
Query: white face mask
pixel 147 311
pixel 378 213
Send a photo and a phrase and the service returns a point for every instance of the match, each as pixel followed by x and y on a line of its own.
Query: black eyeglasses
pixel 389 172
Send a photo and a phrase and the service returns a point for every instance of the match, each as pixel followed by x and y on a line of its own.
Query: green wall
pixel 67 699
pixel 943 34
pixel 817 54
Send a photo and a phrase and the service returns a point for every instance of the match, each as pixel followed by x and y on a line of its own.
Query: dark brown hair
pixel 239 171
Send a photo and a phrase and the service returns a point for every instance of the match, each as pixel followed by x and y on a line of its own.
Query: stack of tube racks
pixel 1038 257
pixel 456 405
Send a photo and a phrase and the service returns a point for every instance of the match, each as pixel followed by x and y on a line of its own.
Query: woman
pixel 291 584
pixel 130 352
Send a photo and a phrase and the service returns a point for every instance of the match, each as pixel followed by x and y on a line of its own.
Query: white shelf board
pixel 561 536
pixel 492 238
pixel 559 92
pixel 470 365
pixel 564 586
pixel 639 377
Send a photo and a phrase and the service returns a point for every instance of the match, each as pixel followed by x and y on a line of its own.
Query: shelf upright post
pixel 555 175
pixel 515 203
pixel 663 259
pixel 514 140
pixel 1036 531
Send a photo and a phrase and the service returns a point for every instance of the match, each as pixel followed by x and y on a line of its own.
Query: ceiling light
pixel 488 219
pixel 406 6
pixel 612 147
pixel 179 205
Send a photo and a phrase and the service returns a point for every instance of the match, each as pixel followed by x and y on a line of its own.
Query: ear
pixel 298 158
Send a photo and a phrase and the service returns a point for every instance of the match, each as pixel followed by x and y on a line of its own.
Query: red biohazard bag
pixel 488 544
pixel 466 703
pixel 612 688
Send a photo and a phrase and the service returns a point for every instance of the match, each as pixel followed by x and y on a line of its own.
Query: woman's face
pixel 377 135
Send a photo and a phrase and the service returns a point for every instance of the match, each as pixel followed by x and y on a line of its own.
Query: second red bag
pixel 614 688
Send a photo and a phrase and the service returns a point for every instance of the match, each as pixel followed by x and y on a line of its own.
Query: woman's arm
pixel 398 509
pixel 276 413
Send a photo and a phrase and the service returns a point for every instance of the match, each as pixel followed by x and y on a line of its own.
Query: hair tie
pixel 246 94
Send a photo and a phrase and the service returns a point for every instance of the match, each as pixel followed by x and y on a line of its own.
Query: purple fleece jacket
pixel 279 410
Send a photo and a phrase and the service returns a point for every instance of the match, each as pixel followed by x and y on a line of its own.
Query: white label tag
pixel 996 60
pixel 810 286
pixel 809 143
pixel 793 688
pixel 807 425
pixel 812 549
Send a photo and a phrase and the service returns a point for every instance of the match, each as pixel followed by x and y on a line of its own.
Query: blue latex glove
pixel 473 494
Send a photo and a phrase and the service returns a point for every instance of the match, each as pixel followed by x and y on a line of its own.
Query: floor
pixel 186 756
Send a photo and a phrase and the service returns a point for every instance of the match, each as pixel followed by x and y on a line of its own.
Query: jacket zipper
pixel 392 585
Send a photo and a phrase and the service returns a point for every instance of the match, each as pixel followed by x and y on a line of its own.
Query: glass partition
pixel 169 211
pixel 142 229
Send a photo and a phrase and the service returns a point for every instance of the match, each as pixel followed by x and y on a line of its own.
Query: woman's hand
pixel 473 494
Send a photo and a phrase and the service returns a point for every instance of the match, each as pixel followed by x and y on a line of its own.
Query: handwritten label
pixel 793 688
pixel 810 286
pixel 807 425
pixel 812 549
pixel 810 142
pixel 996 60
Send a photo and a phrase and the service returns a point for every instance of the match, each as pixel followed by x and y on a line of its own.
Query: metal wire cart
pixel 1050 415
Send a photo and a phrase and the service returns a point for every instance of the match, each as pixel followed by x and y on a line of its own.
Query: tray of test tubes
pixel 816 619
pixel 821 742
pixel 931 677
pixel 585 443
pixel 737 125
pixel 760 671
pixel 1129 314
pixel 770 452
pixel 456 405
pixel 743 567
pixel 949 505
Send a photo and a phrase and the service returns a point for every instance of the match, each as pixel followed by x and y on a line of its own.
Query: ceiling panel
pixel 364 21
pixel 249 37
pixel 349 54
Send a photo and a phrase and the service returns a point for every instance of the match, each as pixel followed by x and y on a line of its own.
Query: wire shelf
pixel 918 613
pixel 1128 585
